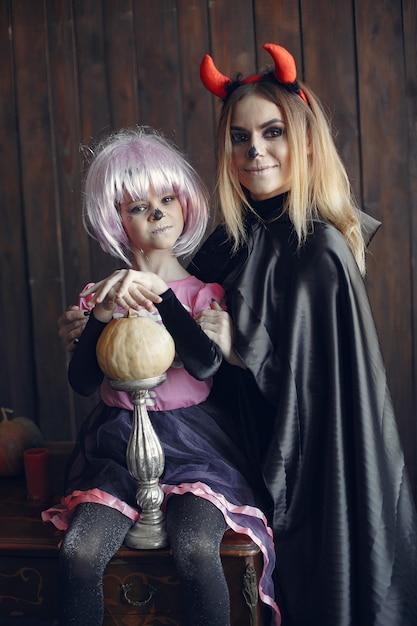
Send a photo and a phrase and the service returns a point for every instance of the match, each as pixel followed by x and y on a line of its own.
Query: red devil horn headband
pixel 285 72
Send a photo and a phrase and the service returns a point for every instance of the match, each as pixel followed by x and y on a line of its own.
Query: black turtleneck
pixel 215 260
pixel 270 208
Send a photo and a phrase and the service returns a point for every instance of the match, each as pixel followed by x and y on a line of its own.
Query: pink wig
pixel 131 162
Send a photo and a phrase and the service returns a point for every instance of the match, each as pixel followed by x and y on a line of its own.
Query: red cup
pixel 37 473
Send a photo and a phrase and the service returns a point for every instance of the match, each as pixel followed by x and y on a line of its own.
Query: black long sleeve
pixel 84 373
pixel 200 356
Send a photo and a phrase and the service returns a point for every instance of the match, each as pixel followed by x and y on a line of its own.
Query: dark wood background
pixel 73 70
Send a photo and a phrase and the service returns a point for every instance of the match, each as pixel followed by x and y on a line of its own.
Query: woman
pixel 314 402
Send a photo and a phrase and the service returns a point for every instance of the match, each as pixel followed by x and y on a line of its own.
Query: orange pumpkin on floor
pixel 16 436
pixel 134 348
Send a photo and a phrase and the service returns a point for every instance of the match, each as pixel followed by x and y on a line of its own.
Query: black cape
pixel 317 422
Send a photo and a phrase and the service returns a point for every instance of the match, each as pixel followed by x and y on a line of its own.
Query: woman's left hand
pixel 218 326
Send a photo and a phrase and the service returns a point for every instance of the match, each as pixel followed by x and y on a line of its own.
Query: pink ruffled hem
pixel 60 515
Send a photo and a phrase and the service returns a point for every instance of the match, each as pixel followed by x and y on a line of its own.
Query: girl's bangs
pixel 138 183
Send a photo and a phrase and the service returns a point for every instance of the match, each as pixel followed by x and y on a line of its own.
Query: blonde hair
pixel 320 187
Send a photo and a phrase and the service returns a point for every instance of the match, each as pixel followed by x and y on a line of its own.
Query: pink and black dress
pixel 197 435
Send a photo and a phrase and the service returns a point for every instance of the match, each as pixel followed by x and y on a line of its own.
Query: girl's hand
pixel 127 288
pixel 218 326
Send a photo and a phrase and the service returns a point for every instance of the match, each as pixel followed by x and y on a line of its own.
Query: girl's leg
pixel 195 531
pixel 95 534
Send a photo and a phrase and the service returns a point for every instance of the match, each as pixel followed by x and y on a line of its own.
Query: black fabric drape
pixel 318 425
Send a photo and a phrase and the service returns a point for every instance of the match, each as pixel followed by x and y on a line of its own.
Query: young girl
pixel 324 439
pixel 146 206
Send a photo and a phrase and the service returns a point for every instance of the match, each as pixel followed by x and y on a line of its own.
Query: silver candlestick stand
pixel 145 461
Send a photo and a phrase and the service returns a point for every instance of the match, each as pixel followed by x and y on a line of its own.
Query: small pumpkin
pixel 134 347
pixel 16 435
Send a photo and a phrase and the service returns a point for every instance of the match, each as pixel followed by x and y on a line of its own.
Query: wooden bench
pixel 140 586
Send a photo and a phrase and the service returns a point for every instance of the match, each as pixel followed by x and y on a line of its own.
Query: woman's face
pixel 260 147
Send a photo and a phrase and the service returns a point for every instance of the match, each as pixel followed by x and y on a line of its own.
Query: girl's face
pixel 152 223
pixel 260 147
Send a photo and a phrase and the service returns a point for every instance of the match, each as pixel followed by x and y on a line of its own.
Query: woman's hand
pixel 218 326
pixel 126 288
pixel 71 325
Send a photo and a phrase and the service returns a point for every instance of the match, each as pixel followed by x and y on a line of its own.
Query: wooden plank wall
pixel 73 70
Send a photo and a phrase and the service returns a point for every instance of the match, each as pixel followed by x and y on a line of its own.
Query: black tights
pixel 195 530
pixel 94 536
